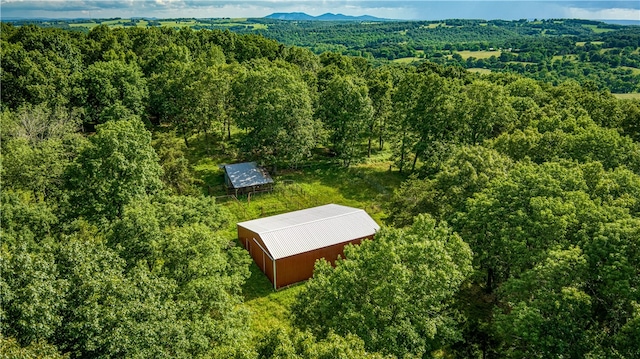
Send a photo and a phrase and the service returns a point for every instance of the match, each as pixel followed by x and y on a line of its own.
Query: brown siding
pixel 245 235
pixel 261 258
pixel 292 269
pixel 299 267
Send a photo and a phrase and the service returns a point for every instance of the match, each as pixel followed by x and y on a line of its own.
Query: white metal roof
pixel 247 174
pixel 301 231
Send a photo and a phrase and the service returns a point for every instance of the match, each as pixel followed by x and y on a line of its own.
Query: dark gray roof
pixel 246 175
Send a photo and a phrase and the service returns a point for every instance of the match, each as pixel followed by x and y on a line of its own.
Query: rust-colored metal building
pixel 286 246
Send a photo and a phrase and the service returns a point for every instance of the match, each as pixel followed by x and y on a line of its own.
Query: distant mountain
pixel 298 16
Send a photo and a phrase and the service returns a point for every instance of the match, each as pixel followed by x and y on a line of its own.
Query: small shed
pixel 246 177
pixel 286 246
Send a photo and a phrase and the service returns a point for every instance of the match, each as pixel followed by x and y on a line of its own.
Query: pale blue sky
pixel 424 10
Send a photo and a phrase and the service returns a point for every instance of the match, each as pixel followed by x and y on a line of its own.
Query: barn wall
pixel 299 267
pixel 245 235
pixel 292 269
pixel 262 260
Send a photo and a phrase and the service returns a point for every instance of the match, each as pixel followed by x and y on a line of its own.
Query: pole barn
pixel 285 247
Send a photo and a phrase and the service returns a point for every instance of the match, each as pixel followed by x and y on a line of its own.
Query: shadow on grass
pixel 268 308
pixel 257 285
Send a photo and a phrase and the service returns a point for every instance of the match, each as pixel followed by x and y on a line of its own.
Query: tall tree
pixel 404 99
pixel 468 170
pixel 546 312
pixel 38 145
pixel 393 292
pixel 432 118
pixel 273 104
pixel 118 166
pixel 192 94
pixel 346 110
pixel 112 90
pixel 485 111
pixel 380 82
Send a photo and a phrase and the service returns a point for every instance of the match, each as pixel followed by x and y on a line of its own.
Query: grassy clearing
pixel 522 62
pixel 407 60
pixel 88 25
pixel 113 22
pixel 582 43
pixel 634 70
pixel 479 70
pixel 596 29
pixel 627 96
pixel 565 57
pixel 478 54
pixel 267 308
pixel 365 185
pixel 180 23
pixel 434 25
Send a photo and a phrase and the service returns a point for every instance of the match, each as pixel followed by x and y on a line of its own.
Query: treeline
pixel 529 48
pixel 515 234
pixel 606 54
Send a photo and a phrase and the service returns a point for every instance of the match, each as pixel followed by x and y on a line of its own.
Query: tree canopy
pixel 510 205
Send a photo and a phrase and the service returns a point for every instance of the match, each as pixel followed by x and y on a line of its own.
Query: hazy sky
pixel 425 9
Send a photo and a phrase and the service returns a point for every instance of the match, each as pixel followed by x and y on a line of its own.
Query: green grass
pixel 521 62
pixel 268 309
pixel 407 60
pixel 582 43
pixel 366 185
pixel 88 25
pixel 565 57
pixel 180 23
pixel 435 25
pixel 478 54
pixel 363 186
pixel 114 22
pixel 479 71
pixel 627 96
pixel 596 29
pixel 221 23
pixel 634 70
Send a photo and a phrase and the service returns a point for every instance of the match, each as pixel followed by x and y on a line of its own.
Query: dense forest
pixel 513 230
pixel 552 50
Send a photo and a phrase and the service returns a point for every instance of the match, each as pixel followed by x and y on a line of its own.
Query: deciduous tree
pixel 118 166
pixel 273 104
pixel 394 292
pixel 346 110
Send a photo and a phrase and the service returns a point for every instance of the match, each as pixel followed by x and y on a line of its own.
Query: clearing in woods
pixel 479 54
pixel 366 185
pixel 627 96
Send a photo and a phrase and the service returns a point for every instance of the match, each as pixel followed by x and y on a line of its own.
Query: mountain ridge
pixel 301 16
